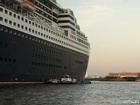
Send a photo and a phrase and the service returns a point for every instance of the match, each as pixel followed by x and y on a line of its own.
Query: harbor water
pixel 96 93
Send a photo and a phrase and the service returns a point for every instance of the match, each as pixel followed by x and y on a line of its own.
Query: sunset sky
pixel 113 30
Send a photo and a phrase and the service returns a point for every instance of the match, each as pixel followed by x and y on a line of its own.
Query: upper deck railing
pixel 56 4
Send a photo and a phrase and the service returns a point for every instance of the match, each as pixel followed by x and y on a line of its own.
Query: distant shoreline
pixel 133 79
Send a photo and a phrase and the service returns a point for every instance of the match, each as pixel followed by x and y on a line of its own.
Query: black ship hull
pixel 25 58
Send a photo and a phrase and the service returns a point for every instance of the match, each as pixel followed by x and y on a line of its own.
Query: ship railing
pixel 36 18
pixel 58 5
pixel 1 4
pixel 13 8
pixel 10 7
pixel 17 10
pixel 41 21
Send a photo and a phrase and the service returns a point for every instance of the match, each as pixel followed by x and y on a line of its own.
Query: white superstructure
pixel 53 23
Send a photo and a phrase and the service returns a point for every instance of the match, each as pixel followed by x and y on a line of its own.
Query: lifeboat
pixel 17 1
pixel 27 5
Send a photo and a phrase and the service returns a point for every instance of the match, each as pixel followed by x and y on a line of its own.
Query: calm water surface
pixel 97 93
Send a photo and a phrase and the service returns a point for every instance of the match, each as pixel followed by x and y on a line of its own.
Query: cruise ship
pixel 40 40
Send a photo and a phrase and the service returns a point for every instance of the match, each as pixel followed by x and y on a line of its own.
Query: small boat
pixel 27 5
pixel 67 79
pixel 53 81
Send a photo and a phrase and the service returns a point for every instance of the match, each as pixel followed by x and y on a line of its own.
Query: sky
pixel 113 30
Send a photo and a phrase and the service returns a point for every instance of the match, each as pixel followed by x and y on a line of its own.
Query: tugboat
pixel 53 81
pixel 67 79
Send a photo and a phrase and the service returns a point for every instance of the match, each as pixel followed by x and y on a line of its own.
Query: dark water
pixel 97 93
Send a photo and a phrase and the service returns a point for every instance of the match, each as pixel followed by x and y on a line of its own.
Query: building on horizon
pixel 125 74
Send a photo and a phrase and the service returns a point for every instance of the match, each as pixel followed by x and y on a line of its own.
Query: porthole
pixel 10 22
pixel 1 19
pixel 22 27
pixel 19 25
pixel 26 20
pixel 22 19
pixel 6 20
pixel 6 11
pixel 14 24
pixel 26 28
pixel 29 22
pixel 15 15
pixel 10 13
pixel 18 17
pixel 1 9
pixel 33 23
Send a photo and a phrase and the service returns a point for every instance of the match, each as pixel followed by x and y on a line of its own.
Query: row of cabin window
pixel 44 50
pixel 37 48
pixel 50 17
pixel 26 28
pixel 48 58
pixel 30 30
pixel 47 65
pixel 43 7
pixel 28 37
pixel 28 21
pixel 6 59
pixel 10 13
pixel 35 33
pixel 35 39
pixel 78 62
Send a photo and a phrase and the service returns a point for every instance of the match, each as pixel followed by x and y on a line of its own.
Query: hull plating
pixel 24 59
